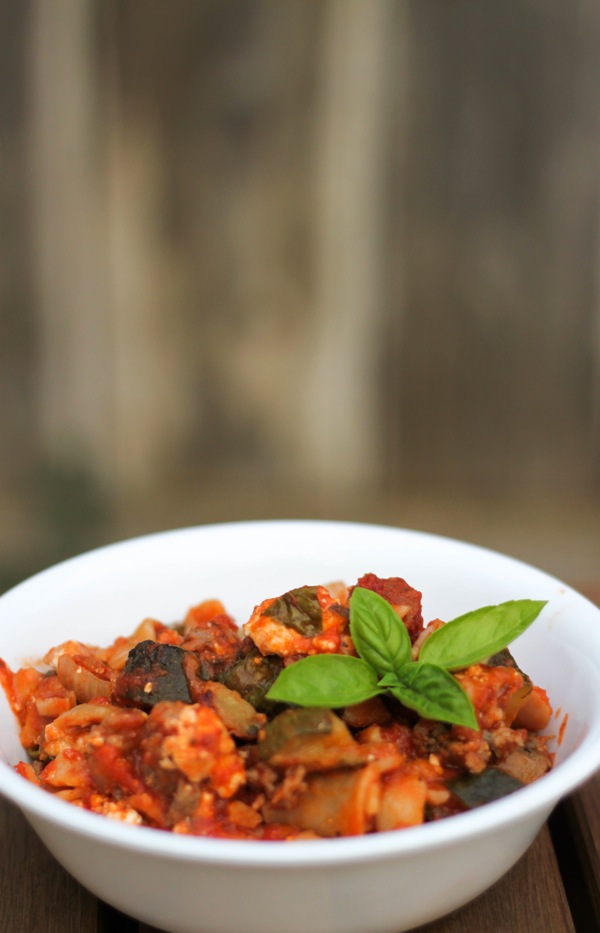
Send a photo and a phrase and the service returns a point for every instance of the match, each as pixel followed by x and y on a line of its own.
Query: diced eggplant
pixel 476 789
pixel 152 673
pixel 315 738
pixel 253 676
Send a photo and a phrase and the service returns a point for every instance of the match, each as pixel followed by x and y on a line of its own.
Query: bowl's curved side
pixel 364 885
pixel 385 894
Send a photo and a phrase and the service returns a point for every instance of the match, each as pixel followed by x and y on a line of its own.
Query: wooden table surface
pixel 554 888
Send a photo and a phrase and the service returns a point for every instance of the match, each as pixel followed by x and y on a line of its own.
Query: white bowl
pixel 374 884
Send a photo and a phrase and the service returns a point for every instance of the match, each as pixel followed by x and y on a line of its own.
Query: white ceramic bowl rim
pixel 540 796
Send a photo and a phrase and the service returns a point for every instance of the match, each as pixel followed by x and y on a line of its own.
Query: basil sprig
pixel 432 692
pixel 377 636
pixel 478 635
pixel 329 680
pixel 427 685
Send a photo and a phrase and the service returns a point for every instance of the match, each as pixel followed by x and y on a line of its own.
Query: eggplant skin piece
pixel 152 673
pixel 477 789
pixel 253 676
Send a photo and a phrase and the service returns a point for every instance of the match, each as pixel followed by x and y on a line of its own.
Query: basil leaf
pixel 299 609
pixel 431 692
pixel 328 680
pixel 477 635
pixel 379 634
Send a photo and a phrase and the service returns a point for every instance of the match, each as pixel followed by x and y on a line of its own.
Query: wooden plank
pixel 582 812
pixel 73 398
pixel 35 892
pixel 529 897
pixel 344 445
pixel 577 830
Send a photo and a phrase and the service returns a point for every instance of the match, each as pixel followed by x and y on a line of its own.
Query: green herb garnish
pixel 326 680
pixel 478 635
pixel 432 692
pixel 426 686
pixel 378 633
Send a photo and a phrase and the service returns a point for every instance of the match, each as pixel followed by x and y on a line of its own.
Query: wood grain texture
pixel 582 812
pixel 35 892
pixel 181 234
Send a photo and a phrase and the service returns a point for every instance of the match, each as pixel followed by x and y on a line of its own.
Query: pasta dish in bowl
pixel 204 710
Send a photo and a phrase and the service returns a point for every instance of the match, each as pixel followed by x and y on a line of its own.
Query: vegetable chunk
pixel 317 739
pixel 153 673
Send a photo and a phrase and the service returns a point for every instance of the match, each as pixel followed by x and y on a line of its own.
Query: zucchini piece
pixel 489 785
pixel 315 738
pixel 235 713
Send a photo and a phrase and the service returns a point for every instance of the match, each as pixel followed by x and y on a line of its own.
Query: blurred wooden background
pixel 329 258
